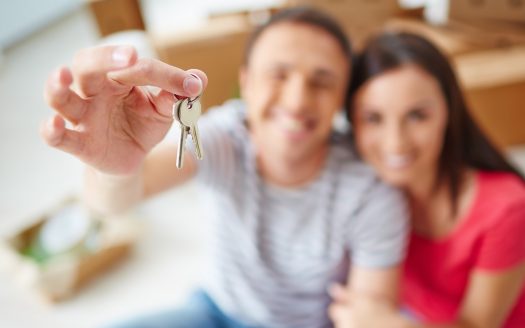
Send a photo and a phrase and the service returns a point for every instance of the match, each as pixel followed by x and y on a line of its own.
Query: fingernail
pixel 51 124
pixel 121 55
pixel 56 83
pixel 192 85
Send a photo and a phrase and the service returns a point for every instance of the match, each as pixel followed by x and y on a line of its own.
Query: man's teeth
pixel 397 161
pixel 293 125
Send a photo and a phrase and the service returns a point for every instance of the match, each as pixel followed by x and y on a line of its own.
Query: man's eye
pixel 278 76
pixel 321 84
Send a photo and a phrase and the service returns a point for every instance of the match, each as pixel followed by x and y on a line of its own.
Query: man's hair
pixel 306 16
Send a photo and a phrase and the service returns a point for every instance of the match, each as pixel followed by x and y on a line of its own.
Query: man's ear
pixel 243 81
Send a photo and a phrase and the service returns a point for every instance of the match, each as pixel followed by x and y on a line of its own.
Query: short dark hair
pixel 307 16
pixel 465 144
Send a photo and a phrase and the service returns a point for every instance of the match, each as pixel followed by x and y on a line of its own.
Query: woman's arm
pixel 489 299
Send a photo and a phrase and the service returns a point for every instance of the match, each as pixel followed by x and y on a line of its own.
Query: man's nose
pixel 296 96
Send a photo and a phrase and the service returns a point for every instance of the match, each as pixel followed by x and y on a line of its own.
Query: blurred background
pixel 163 258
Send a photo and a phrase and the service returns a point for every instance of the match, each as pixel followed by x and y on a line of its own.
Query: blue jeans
pixel 199 312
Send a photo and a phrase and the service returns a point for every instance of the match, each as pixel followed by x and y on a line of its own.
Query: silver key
pixel 183 134
pixel 189 112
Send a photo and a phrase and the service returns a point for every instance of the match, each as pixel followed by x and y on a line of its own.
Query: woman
pixel 466 258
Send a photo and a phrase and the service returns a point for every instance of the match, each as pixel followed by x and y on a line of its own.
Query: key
pixel 189 112
pixel 183 133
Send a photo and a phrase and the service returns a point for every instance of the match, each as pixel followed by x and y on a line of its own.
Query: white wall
pixel 20 18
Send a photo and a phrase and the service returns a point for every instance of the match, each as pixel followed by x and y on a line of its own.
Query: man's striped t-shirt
pixel 274 251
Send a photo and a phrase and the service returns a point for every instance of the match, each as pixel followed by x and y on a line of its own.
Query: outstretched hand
pixel 114 121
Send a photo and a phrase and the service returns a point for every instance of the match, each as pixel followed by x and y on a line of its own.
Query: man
pixel 292 209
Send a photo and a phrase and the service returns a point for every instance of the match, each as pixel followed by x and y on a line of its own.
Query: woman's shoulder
pixel 502 186
pixel 501 192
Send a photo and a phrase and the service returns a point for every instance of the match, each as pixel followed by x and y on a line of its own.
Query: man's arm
pixel 380 283
pixel 110 194
pixel 115 123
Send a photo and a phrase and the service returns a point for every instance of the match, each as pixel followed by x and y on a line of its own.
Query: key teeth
pixel 196 141
pixel 180 148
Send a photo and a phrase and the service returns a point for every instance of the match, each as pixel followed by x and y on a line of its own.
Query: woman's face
pixel 400 119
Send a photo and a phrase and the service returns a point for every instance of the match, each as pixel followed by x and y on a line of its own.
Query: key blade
pixel 196 141
pixel 180 148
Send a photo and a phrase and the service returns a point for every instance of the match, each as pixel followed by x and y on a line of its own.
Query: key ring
pixel 190 100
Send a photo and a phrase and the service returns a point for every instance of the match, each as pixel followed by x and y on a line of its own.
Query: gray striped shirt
pixel 274 251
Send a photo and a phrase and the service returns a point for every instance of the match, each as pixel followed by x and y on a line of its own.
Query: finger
pixel 339 293
pixel 202 76
pixel 60 97
pixel 91 65
pixel 163 101
pixel 339 314
pixel 56 135
pixel 147 71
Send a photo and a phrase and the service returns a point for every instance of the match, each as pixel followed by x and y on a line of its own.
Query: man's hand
pixel 114 122
pixel 358 310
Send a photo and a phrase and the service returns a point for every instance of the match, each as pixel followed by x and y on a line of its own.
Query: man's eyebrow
pixel 324 73
pixel 284 66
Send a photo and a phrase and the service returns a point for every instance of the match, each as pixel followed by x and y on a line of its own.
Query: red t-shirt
pixel 490 237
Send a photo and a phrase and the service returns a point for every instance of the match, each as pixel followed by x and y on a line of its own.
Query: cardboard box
pixel 217 48
pixel 61 275
pixel 450 41
pixel 458 38
pixel 507 10
pixel 494 82
pixel 355 14
pixel 116 15
pixel 354 8
pixel 497 33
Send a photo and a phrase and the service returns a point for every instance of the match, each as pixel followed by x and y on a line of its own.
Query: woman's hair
pixel 465 145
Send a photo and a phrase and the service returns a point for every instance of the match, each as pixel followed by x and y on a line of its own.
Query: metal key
pixel 183 134
pixel 189 111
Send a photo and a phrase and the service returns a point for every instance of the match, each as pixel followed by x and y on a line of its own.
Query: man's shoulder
pixel 230 115
pixel 345 155
pixel 357 178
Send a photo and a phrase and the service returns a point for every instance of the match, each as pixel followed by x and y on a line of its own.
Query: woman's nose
pixel 394 139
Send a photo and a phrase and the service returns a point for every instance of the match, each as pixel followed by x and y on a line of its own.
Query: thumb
pixel 339 293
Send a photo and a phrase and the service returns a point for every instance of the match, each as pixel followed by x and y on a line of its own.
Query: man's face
pixel 294 83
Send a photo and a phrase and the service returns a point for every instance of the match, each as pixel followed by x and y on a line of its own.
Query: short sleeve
pixel 217 144
pixel 379 237
pixel 503 245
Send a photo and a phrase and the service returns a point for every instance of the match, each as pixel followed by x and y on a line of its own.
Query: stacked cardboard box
pixel 353 11
pixel 359 18
pixel 503 10
pixel 217 48
pixel 494 83
pixel 477 29
pixel 116 15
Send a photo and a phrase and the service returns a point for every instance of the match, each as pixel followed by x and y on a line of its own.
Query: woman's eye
pixel 372 118
pixel 417 115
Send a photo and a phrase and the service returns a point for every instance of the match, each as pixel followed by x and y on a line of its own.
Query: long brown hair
pixel 465 145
